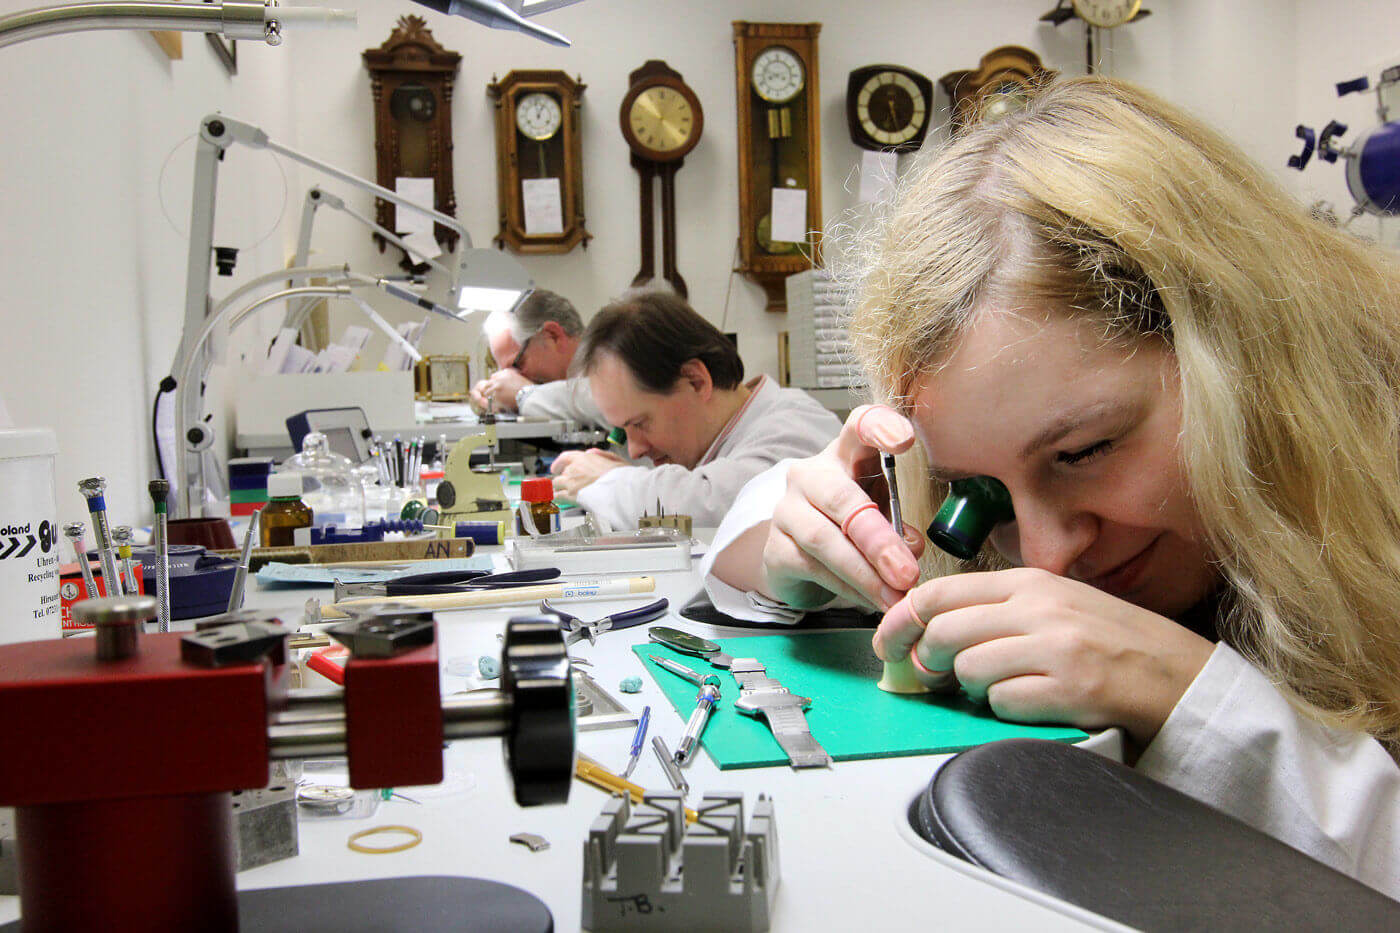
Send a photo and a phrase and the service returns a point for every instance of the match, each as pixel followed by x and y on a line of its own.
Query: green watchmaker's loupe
pixel 973 508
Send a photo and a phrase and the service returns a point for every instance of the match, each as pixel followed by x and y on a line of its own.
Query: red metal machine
pixel 120 760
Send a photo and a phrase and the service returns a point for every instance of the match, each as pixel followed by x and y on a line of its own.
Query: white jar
pixel 29 536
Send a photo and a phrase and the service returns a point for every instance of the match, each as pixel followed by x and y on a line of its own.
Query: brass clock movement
pixel 780 213
pixel 539 162
pixel 888 107
pixel 661 120
pixel 411 78
pixel 1003 83
pixel 442 379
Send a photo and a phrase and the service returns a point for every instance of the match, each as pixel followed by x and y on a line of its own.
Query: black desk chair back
pixel 1101 836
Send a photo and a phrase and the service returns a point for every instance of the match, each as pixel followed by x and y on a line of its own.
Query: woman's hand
pixel 827 536
pixel 1043 648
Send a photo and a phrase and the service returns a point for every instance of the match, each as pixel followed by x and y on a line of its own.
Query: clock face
pixel 1106 13
pixel 662 119
pixel 447 377
pixel 538 115
pixel 777 75
pixel 891 108
pixel 1001 99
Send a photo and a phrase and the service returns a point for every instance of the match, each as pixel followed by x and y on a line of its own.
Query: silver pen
pixel 887 467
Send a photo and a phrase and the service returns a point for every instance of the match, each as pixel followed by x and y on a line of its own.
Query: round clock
pixel 1000 100
pixel 538 115
pixel 1106 14
pixel 777 75
pixel 888 107
pixel 661 118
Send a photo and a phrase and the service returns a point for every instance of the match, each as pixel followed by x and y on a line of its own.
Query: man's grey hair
pixel 539 309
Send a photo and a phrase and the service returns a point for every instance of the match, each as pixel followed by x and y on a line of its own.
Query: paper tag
pixel 877 174
pixel 406 219
pixel 544 207
pixel 789 215
pixel 423 245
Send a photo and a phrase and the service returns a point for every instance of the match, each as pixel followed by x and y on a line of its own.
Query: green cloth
pixel 850 716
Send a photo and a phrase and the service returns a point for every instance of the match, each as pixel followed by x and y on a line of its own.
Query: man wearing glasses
pixel 533 348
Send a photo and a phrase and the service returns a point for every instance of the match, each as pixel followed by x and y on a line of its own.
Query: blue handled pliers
pixel 576 629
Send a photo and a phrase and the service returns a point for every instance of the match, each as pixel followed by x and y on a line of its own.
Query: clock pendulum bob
pixel 125 826
pixel 467 495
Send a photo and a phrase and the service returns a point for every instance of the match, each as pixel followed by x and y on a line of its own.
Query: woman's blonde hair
pixel 1105 200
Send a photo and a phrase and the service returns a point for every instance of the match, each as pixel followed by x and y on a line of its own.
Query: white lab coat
pixel 1233 741
pixel 774 423
pixel 564 400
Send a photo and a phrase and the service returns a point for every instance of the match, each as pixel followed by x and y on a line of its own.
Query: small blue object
pixel 489 667
pixel 631 685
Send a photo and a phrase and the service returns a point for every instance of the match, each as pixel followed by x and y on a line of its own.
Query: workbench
pixel 847 862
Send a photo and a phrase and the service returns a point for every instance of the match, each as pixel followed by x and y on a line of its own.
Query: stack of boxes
pixel 819 346
pixel 247 484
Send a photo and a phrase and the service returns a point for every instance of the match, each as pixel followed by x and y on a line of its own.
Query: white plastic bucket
pixel 29 536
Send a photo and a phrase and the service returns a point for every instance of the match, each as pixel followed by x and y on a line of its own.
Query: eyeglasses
pixel 515 363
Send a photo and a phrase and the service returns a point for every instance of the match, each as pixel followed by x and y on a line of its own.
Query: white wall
pixel 93 274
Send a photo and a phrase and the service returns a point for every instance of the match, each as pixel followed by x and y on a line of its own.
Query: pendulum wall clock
pixel 780 213
pixel 539 161
pixel 411 79
pixel 661 121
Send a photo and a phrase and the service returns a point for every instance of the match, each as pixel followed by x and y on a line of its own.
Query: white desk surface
pixel 844 863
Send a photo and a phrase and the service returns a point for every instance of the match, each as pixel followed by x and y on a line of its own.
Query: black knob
pixel 446 495
pixel 539 741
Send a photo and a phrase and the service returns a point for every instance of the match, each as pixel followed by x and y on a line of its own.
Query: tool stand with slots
pixel 643 871
pixel 108 841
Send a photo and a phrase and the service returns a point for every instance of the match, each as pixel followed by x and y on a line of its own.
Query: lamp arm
pixel 233 19
pixel 185 366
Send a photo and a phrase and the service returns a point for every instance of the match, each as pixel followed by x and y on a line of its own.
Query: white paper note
pixel 877 174
pixel 423 246
pixel 281 346
pixel 544 207
pixel 789 215
pixel 419 191
pixel 354 338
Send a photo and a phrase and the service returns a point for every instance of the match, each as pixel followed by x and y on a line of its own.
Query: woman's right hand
pixel 825 538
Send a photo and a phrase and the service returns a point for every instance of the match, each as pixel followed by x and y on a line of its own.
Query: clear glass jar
pixel 331 483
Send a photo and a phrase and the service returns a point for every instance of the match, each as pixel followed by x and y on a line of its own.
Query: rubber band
pixel 846 525
pixel 914 660
pixel 354 845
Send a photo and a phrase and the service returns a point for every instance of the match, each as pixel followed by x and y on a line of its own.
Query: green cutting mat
pixel 849 716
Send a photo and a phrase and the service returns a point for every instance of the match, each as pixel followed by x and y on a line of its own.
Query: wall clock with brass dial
pixel 661 121
pixel 888 107
pixel 779 151
pixel 1003 82
pixel 539 161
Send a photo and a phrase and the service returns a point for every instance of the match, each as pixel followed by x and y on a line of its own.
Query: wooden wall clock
pixel 411 78
pixel 539 161
pixel 1003 83
pixel 779 149
pixel 888 107
pixel 661 120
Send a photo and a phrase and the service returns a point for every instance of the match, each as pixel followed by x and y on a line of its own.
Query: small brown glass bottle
pixel 285 512
pixel 538 496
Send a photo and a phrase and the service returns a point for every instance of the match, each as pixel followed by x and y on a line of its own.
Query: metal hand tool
pixel 92 489
pixel 638 738
pixel 686 643
pixel 577 629
pixel 73 531
pixel 240 577
pixel 896 516
pixel 121 536
pixel 668 765
pixel 705 702
pixel 160 533
pixel 446 581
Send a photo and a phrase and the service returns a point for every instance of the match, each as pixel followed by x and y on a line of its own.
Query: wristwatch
pixel 761 695
pixel 523 393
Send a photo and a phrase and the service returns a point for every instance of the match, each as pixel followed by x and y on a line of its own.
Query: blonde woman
pixel 1191 391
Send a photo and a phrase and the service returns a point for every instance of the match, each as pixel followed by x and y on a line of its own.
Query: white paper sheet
pixel 544 206
pixel 354 337
pixel 281 346
pixel 419 191
pixel 789 215
pixel 877 174
pixel 424 245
